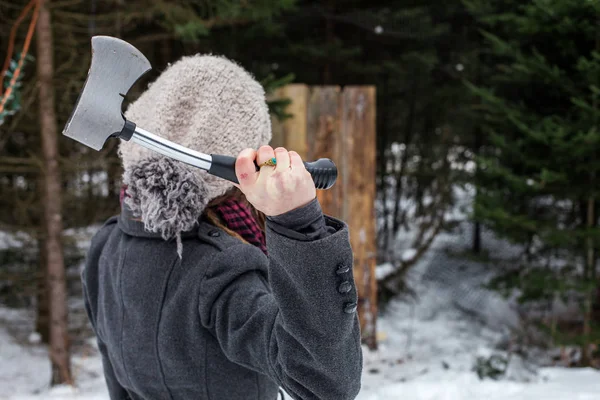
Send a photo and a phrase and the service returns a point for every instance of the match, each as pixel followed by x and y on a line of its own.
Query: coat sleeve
pixel 291 315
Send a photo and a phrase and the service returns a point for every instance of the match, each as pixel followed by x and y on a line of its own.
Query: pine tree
pixel 153 26
pixel 539 177
pixel 59 349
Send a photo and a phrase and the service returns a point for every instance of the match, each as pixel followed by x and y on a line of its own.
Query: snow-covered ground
pixel 427 350
pixel 428 345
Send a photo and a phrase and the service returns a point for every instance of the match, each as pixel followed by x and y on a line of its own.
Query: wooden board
pixel 358 162
pixel 324 139
pixel 340 124
pixel 291 133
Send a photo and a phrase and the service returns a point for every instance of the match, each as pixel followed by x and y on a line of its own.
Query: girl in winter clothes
pixel 202 289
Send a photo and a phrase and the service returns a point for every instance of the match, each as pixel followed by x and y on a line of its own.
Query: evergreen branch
pixel 153 37
pixel 8 4
pixel 65 3
pixel 108 17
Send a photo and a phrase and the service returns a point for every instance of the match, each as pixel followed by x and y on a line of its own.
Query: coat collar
pixel 134 227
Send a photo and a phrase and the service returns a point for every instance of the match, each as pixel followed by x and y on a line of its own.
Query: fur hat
pixel 203 102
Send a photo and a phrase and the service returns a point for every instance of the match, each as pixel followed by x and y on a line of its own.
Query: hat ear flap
pixel 167 195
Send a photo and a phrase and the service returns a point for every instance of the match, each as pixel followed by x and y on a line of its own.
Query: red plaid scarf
pixel 239 218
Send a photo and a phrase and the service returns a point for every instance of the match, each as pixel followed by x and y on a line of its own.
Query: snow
pixel 427 349
pixel 25 368
pixel 34 338
pixel 558 384
pixel 409 254
pixel 428 345
pixel 12 240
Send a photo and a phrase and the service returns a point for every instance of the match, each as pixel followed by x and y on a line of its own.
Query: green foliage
pixel 13 102
pixel 192 20
pixel 493 367
pixel 540 112
pixel 277 107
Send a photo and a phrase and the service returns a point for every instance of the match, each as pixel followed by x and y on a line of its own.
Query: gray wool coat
pixel 224 321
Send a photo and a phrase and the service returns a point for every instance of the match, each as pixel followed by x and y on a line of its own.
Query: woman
pixel 203 290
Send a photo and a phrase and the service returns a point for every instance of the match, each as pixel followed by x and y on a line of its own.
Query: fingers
pixel 264 153
pixel 244 167
pixel 296 160
pixel 274 190
pixel 283 159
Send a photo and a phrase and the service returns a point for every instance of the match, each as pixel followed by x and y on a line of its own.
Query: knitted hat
pixel 208 104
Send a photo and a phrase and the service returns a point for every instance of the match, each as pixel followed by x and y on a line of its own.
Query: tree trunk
pixel 477 146
pixel 590 275
pixel 42 322
pixel 56 282
pixel 408 135
pixel 590 265
pixel 382 141
pixel 477 225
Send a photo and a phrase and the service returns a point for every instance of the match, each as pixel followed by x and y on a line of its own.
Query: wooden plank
pixel 358 161
pixel 291 133
pixel 324 139
pixel 294 128
pixel 340 125
pixel 277 139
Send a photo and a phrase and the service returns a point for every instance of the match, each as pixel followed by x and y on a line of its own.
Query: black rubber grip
pixel 127 131
pixel 223 167
pixel 323 171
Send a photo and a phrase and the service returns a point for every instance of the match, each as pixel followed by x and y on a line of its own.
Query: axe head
pixel 116 66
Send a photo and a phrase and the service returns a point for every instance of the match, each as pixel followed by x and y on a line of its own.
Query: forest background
pixel 501 98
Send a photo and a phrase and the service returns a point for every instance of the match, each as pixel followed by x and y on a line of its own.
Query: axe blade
pixel 116 66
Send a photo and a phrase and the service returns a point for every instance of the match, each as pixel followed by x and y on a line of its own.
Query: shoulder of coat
pixel 111 221
pixel 108 225
pixel 215 236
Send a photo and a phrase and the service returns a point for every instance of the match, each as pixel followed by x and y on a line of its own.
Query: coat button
pixel 214 233
pixel 342 269
pixel 345 287
pixel 349 308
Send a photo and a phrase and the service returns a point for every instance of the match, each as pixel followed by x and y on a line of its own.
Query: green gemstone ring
pixel 270 162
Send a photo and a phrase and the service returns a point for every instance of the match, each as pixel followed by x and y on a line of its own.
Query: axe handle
pixel 168 148
pixel 323 171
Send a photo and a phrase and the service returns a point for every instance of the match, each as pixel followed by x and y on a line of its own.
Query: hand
pixel 274 190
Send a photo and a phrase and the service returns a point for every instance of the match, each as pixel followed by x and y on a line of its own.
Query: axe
pixel 116 66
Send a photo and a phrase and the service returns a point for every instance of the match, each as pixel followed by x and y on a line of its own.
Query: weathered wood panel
pixel 340 124
pixel 325 139
pixel 291 133
pixel 358 161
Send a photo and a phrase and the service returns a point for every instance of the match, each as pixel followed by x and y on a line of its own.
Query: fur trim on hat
pixel 166 195
pixel 205 103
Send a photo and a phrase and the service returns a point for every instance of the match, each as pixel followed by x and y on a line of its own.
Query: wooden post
pixel 340 125
pixel 358 164
pixel 325 139
pixel 291 133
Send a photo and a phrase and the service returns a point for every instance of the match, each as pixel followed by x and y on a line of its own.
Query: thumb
pixel 245 169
